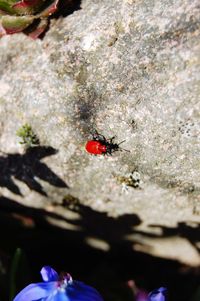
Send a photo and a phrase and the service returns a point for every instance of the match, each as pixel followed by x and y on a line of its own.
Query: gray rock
pixel 126 68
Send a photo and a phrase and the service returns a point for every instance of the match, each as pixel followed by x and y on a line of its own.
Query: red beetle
pixel 99 145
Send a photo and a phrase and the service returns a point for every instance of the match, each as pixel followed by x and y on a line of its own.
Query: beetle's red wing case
pixel 95 147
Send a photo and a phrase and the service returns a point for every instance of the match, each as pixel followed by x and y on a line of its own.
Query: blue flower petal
pixel 49 274
pixel 78 291
pixel 159 294
pixel 35 291
pixel 59 296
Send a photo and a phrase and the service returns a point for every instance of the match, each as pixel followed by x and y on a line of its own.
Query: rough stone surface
pixel 126 68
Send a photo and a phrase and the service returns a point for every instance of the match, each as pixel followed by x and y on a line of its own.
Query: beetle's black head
pixel 112 147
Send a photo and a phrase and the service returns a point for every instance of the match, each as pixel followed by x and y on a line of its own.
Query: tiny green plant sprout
pixel 29 138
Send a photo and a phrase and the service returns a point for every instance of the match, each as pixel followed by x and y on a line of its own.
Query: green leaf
pixel 6 7
pixel 28 7
pixel 19 272
pixel 13 24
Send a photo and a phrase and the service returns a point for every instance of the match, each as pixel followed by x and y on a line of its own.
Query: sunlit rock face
pixel 128 69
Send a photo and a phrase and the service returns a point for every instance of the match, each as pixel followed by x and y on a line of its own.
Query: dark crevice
pixel 67 7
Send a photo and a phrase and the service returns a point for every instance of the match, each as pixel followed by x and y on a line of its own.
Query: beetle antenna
pixel 121 142
pixel 123 148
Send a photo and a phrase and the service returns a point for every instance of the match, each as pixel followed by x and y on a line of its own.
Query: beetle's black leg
pixel 94 134
pixel 110 140
pixel 97 136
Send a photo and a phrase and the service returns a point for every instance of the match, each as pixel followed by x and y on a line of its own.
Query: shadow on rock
pixel 188 230
pixel 89 230
pixel 96 249
pixel 26 168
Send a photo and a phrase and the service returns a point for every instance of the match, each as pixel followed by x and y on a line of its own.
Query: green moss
pixel 29 138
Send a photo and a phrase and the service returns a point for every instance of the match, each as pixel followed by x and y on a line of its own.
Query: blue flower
pixel 57 288
pixel 159 294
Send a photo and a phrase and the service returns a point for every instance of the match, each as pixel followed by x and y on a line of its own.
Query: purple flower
pixel 141 296
pixel 159 294
pixel 57 288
